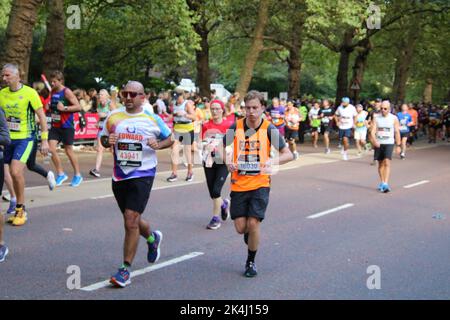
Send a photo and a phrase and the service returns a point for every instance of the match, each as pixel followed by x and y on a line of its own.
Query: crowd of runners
pixel 244 137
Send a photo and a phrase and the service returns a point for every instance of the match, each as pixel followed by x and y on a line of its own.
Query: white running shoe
pixel 51 180
pixel 344 156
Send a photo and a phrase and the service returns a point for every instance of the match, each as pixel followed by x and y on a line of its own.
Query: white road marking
pixel 320 214
pixel 416 184
pixel 136 273
pixel 187 184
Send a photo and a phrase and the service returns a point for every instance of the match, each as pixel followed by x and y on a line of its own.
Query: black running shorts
pixel 249 203
pixel 384 152
pixel 290 134
pixel 404 135
pixel 132 194
pixel 64 135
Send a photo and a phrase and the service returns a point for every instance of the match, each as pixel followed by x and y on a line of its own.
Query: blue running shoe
pixel 3 252
pixel 76 181
pixel 386 188
pixel 380 186
pixel 153 248
pixel 61 178
pixel 121 279
pixel 12 207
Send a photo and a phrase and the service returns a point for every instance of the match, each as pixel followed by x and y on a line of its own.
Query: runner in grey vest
pixel 384 133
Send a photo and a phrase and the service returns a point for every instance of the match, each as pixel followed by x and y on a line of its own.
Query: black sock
pixel 126 265
pixel 18 206
pixel 251 256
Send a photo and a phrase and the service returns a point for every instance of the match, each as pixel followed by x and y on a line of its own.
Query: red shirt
pixel 211 129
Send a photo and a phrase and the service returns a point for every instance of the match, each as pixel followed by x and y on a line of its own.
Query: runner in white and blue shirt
pixel 135 134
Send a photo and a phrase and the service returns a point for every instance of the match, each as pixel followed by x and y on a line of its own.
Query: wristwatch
pixel 65 108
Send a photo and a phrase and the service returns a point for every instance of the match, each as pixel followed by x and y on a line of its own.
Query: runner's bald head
pixel 386 104
pixel 135 86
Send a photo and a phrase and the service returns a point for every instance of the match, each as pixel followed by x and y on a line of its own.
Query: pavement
pixel 326 230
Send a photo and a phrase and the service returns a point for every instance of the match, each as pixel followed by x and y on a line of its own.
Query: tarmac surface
pixel 326 229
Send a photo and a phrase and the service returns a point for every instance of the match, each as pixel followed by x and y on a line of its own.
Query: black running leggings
pixel 31 163
pixel 215 179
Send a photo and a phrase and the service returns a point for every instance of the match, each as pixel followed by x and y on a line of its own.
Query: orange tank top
pixel 250 155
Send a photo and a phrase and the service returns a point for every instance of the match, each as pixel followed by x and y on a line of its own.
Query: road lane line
pixel 416 184
pixel 323 213
pixel 156 188
pixel 140 272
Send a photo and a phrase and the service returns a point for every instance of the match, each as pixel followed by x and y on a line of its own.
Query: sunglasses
pixel 130 94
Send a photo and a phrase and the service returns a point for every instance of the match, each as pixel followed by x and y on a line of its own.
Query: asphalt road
pixel 299 257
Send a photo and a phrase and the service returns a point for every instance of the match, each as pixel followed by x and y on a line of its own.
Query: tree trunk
pixel 405 49
pixel 19 34
pixel 255 49
pixel 359 68
pixel 342 78
pixel 53 54
pixel 428 92
pixel 294 60
pixel 202 56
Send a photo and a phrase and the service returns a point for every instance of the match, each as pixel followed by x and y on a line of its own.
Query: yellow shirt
pixel 19 108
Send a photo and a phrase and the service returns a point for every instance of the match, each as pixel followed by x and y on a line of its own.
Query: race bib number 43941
pixel 129 154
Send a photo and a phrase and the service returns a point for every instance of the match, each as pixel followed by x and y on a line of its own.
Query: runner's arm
pixel 73 101
pixel 277 141
pixel 5 139
pixel 372 136
pixel 398 139
pixel 190 111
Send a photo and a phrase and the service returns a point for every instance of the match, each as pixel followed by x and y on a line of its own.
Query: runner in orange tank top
pixel 251 168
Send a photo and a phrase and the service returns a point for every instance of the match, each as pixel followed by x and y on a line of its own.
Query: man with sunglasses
pixel 135 135
pixel 384 133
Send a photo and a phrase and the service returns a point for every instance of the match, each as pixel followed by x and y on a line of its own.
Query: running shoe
pixel 386 188
pixel 122 278
pixel 7 197
pixel 154 248
pixel 172 178
pixel 190 177
pixel 12 207
pixel 51 180
pixel 95 173
pixel 327 151
pixel 214 224
pixel 250 270
pixel 345 157
pixel 402 156
pixel 3 252
pixel 61 178
pixel 296 155
pixel 225 209
pixel 76 181
pixel 380 186
pixel 20 218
